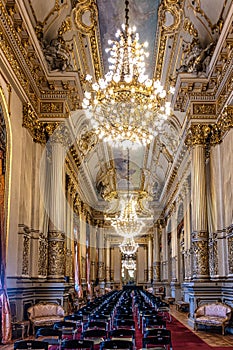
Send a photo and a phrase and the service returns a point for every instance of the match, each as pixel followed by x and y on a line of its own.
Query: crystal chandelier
pixel 128 246
pixel 126 104
pixel 129 264
pixel 127 224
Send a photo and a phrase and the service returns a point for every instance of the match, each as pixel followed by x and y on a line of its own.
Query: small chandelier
pixel 128 246
pixel 129 264
pixel 126 104
pixel 127 224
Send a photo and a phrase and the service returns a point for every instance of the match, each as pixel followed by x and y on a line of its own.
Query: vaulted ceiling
pixel 66 39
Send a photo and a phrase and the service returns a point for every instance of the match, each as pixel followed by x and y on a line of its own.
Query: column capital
pixel 198 134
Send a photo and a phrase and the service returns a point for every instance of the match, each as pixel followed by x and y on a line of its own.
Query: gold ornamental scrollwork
pixel 86 11
pixel 198 135
pixel 170 8
pixel 40 131
pixel 189 27
pixel 210 134
pixel 87 142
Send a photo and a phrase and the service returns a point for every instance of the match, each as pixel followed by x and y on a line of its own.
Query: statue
pixel 57 55
pixel 196 59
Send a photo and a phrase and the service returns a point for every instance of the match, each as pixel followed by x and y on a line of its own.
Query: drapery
pixel 5 305
pixel 78 286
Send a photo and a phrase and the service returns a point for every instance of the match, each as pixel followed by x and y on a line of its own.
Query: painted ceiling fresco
pixel 142 14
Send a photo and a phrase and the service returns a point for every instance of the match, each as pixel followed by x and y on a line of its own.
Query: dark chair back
pixel 116 344
pixel 30 344
pixel 156 341
pixel 77 344
pixel 49 335
pixel 125 324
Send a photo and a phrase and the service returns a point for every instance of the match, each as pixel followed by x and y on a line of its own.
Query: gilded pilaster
pixel 199 140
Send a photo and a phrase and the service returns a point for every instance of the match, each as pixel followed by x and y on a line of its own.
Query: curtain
pixel 5 305
pixel 78 286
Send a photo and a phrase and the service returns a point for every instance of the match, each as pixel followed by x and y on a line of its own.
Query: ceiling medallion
pixel 126 104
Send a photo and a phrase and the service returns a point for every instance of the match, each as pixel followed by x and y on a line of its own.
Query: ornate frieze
pixel 204 109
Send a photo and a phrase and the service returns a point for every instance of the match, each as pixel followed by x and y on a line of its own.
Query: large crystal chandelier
pixel 126 104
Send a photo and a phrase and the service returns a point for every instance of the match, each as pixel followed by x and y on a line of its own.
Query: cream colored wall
pixel 226 158
pixel 24 203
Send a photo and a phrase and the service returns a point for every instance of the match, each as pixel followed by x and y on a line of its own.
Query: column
pixel 101 263
pixel 174 245
pixel 108 260
pixel 187 233
pixel 93 255
pixel 156 253
pixel 69 232
pixel 83 250
pixel 56 235
pixel 198 136
pixel 150 257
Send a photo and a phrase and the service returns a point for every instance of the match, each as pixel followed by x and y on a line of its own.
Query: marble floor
pixel 212 338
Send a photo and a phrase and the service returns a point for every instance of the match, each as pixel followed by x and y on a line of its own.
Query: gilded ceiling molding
pixel 40 131
pixel 173 8
pixel 86 21
pixel 86 11
pixel 189 27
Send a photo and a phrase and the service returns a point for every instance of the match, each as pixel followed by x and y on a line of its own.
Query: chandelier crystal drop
pixel 126 104
pixel 128 246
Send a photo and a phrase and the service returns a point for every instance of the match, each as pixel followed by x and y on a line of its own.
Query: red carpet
pixel 183 338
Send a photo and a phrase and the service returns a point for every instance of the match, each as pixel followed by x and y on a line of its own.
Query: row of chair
pixel 110 321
